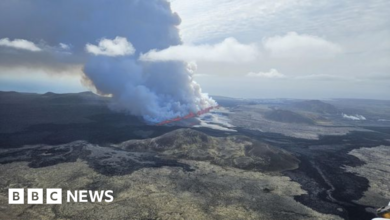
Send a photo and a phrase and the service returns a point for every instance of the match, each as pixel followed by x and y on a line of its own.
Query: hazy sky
pixel 239 48
pixel 308 49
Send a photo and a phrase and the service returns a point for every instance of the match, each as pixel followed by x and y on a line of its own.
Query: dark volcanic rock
pixel 236 151
pixel 287 116
pixel 105 160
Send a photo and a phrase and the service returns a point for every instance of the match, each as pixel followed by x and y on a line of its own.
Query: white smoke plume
pixel 156 91
pixel 108 37
pixel 354 117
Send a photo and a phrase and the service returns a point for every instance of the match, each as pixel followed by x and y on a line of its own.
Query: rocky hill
pixel 235 151
pixel 316 106
pixel 287 116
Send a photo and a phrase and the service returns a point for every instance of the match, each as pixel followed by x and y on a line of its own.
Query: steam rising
pixel 107 39
pixel 156 91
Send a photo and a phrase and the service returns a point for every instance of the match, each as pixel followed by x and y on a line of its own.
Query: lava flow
pixel 190 115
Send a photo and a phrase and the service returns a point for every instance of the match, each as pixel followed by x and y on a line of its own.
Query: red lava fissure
pixel 190 115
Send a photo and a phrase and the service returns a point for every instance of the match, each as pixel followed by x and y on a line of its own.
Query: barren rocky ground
pixel 376 170
pixel 208 192
pixel 283 159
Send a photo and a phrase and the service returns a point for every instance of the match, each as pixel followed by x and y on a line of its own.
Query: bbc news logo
pixel 54 196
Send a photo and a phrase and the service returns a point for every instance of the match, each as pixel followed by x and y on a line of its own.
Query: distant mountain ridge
pixel 287 116
pixel 316 106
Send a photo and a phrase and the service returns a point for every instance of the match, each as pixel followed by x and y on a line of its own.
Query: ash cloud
pixel 108 37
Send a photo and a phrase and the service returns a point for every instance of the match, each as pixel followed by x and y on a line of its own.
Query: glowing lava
pixel 190 115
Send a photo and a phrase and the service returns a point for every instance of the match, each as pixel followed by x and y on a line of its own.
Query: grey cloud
pixel 326 77
pixel 78 22
pixel 107 37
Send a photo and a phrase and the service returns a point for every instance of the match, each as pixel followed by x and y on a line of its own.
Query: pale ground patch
pixel 209 192
pixel 377 171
